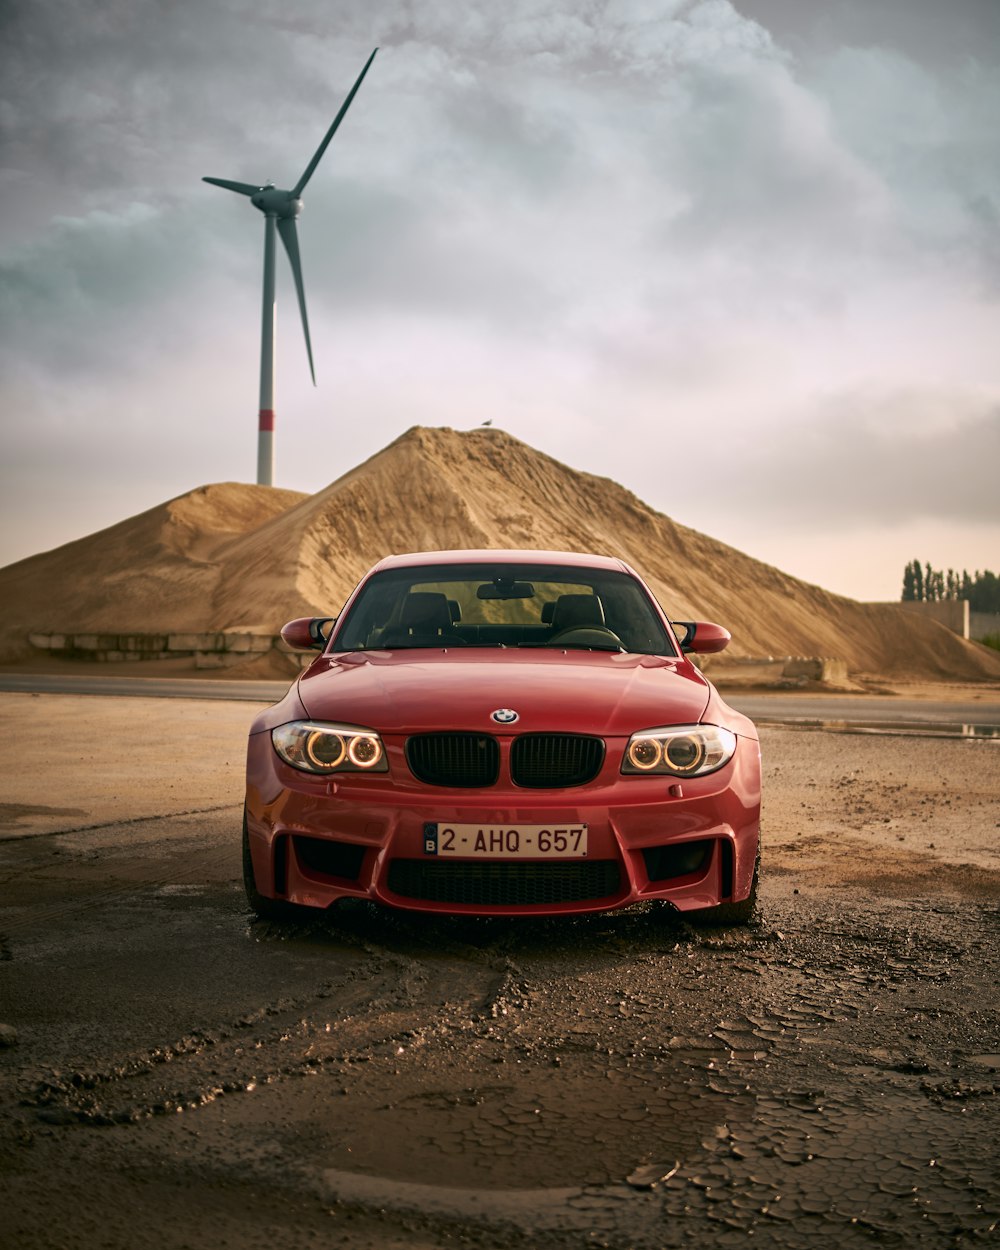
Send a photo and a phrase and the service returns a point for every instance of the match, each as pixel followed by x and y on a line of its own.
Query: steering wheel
pixel 585 636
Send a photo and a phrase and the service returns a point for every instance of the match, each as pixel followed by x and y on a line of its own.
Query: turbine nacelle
pixel 277 203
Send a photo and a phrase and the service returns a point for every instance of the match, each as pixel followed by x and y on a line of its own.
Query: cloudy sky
pixel 743 257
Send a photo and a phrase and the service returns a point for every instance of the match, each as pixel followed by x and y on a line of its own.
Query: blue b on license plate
pixel 505 841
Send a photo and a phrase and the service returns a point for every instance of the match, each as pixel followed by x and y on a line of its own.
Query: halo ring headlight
pixel 679 751
pixel 644 753
pixel 325 750
pixel 684 754
pixel 364 751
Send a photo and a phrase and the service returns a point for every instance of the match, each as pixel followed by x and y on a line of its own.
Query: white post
pixel 265 426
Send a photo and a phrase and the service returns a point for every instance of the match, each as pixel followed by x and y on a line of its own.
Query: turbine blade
pixel 310 168
pixel 290 238
pixel 244 188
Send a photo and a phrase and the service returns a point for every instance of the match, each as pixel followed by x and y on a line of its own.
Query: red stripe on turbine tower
pixel 266 420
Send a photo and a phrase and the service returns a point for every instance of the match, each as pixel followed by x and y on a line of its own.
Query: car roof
pixel 574 559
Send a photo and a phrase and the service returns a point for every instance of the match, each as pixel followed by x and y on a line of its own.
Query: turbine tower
pixel 280 209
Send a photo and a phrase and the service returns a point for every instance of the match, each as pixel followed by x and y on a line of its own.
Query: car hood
pixel 606 693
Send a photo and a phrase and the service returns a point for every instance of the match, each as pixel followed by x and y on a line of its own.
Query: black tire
pixel 266 908
pixel 729 915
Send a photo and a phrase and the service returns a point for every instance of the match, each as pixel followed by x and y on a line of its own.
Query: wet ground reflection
pixel 904 728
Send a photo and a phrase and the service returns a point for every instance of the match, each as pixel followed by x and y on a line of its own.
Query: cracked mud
pixel 173 1074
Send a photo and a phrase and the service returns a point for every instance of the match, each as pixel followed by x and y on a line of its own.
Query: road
pixel 816 710
pixel 876 712
pixel 143 687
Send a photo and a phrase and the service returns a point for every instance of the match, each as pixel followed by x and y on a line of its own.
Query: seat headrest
pixel 425 609
pixel 573 610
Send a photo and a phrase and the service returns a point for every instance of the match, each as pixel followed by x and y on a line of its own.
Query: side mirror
pixel 308 633
pixel 703 637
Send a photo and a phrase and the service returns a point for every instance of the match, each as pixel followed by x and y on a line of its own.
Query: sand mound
pixel 152 573
pixel 229 556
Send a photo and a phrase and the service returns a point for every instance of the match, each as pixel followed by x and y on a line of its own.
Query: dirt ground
pixel 175 1074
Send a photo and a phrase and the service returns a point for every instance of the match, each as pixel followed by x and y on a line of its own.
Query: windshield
pixel 503 605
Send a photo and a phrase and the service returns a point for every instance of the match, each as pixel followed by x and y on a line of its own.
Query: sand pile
pixel 228 556
pixel 152 573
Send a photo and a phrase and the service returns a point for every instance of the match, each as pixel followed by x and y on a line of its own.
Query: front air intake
pixel 329 858
pixel 677 859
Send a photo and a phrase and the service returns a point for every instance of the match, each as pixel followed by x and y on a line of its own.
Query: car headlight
pixel 679 751
pixel 316 747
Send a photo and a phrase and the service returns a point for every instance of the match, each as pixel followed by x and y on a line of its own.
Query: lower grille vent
pixel 504 885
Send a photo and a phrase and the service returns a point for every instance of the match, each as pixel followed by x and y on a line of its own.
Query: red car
pixel 503 733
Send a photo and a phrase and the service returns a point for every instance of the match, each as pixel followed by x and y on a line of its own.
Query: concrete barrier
pixel 815 668
pixel 984 624
pixel 783 671
pixel 208 650
pixel 228 647
pixel 953 613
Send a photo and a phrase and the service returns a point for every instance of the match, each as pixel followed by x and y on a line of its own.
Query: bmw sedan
pixel 503 733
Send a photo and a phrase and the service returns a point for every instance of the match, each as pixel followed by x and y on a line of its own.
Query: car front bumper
pixel 315 839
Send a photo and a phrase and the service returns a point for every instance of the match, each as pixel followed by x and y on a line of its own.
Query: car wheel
pixel 730 915
pixel 266 908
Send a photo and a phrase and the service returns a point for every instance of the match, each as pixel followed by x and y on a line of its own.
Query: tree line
pixel 923 584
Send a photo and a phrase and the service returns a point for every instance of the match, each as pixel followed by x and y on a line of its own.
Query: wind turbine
pixel 280 209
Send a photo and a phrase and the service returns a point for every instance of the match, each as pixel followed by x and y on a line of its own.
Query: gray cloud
pixel 934 34
pixel 662 212
pixel 881 459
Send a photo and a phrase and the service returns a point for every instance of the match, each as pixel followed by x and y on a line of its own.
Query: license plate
pixel 505 841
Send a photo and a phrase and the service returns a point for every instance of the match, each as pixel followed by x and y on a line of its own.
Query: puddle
pixel 14 814
pixel 527 1210
pixel 905 728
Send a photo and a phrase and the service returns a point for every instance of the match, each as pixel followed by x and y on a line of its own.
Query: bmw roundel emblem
pixel 504 716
